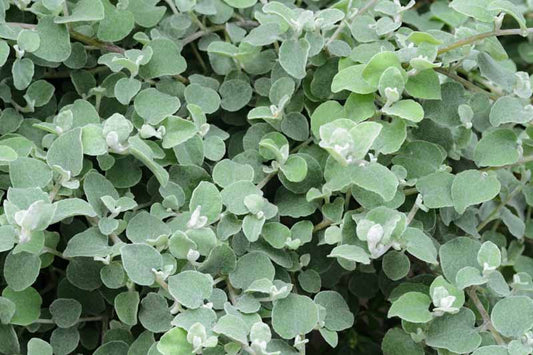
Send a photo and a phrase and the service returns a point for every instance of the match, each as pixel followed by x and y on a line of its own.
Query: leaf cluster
pixel 267 178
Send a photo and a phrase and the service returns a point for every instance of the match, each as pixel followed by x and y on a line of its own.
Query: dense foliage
pixel 243 177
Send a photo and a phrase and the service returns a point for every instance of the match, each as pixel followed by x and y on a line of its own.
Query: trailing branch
pixel 481 36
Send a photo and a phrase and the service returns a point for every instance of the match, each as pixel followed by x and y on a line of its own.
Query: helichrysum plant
pixel 267 178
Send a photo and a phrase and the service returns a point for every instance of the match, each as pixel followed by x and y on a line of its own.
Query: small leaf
pixel 497 148
pixel 233 327
pixel 67 152
pixel 142 151
pixel 513 316
pixel 174 342
pixel 376 178
pixel 407 109
pixel 396 265
pixel 420 245
pixel 436 189
pixel 204 97
pixel 28 172
pixel 190 288
pixel 228 171
pixel 72 207
pixel 377 65
pixel 38 346
pixel 116 24
pixel 235 94
pixel 65 312
pixel 412 307
pixel 293 55
pixel 477 9
pixel 351 79
pixel 166 59
pixel 21 270
pixel 295 168
pixel 139 260
pixel 126 305
pixel 251 267
pixel 22 72
pixel 206 197
pixel 144 227
pixel 424 85
pixel 27 304
pixel 489 256
pixel 154 106
pixel 457 254
pixel 508 109
pixel 471 187
pixel 294 315
pixel 126 89
pixel 89 243
pixel 350 253
pixel 454 332
pixel 55 40
pixel 233 196
pixel 397 342
pixel 338 315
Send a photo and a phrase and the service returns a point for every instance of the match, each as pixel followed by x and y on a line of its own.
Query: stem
pixel 96 43
pixel 467 84
pixel 196 20
pixel 65 74
pixel 27 26
pixel 172 6
pixel 193 37
pixel 302 145
pixel 114 238
pixel 347 198
pixel 265 181
pixel 198 57
pixel 81 320
pixel 302 347
pixel 161 282
pixel 524 160
pixel 270 176
pixel 495 211
pixel 484 315
pixel 59 254
pixel 231 292
pixel 98 101
pixel 218 280
pixel 481 36
pixel 410 191
pixel 79 37
pixel 181 78
pixel 55 190
pixel 344 23
pixel 412 212
pixel 322 225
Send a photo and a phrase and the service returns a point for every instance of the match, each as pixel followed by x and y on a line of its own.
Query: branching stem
pixel 484 315
pixel 467 84
pixel 344 23
pixel 322 225
pixel 502 204
pixel 481 36
pixel 81 320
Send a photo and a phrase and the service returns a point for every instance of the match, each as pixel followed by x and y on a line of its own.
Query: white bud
pixel 197 221
pixel 192 255
pixel 375 233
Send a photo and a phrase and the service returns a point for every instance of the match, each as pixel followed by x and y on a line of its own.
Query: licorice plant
pixel 268 178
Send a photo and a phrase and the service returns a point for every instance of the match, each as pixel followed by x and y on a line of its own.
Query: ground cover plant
pixel 273 177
